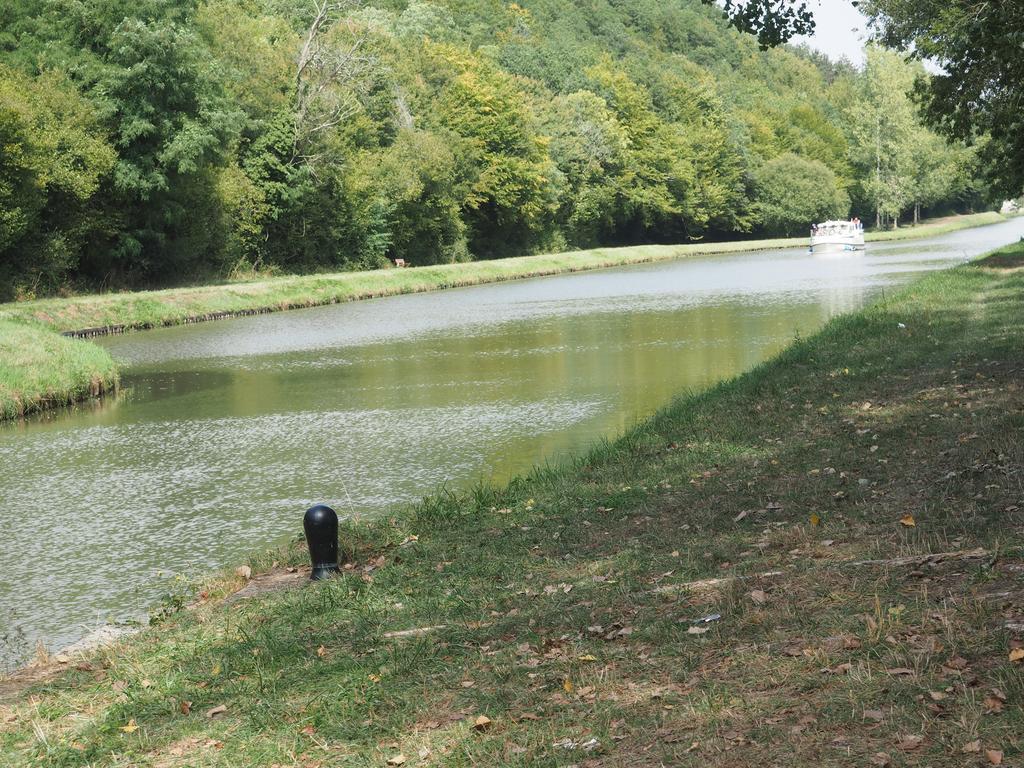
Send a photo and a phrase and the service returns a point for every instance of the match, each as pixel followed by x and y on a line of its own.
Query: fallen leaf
pixel 567 685
pixel 971 747
pixel 995 756
pixel 244 571
pixel 587 657
pixel 146 683
pixel 909 742
pixel 741 515
pixel 993 705
pixel 214 711
pixel 396 760
pixel 881 759
pixel 698 630
pixel 1017 655
pixel 815 519
pixel 907 521
pixel 309 730
pixel 321 651
pixel 874 714
pixel 482 723
pixel 185 707
pixel 759 596
pixel 130 727
pixel 896 671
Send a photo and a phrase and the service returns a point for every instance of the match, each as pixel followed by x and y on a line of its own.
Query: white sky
pixel 840 31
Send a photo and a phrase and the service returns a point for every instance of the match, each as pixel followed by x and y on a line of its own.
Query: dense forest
pixel 150 142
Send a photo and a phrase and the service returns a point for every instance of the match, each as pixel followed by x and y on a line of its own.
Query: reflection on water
pixel 227 431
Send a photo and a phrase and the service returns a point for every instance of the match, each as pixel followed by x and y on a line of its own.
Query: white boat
pixel 837 236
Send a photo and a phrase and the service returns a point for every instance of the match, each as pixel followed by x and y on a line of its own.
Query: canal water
pixel 225 432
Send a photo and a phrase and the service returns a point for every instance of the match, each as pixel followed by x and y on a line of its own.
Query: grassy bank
pixel 148 309
pixel 59 373
pixel 551 622
pixel 935 227
pixel 41 369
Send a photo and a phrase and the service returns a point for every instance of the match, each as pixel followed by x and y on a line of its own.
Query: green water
pixel 227 431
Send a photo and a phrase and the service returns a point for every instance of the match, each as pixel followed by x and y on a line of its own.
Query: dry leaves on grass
pixel 907 521
pixel 218 710
pixel 759 596
pixel 901 671
pixel 909 742
pixel 995 756
pixel 995 702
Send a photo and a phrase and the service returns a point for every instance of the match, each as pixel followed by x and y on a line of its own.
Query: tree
pixel 793 192
pixel 938 170
pixel 53 156
pixel 588 144
pixel 513 198
pixel 151 81
pixel 772 22
pixel 328 75
pixel 979 88
pixel 421 185
pixel 884 132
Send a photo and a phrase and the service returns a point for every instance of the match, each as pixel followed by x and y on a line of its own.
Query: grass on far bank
pixel 557 613
pixel 41 369
pixel 935 227
pixel 147 309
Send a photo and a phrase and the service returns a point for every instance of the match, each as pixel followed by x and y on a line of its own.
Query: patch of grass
pixel 562 604
pixel 936 227
pixel 40 369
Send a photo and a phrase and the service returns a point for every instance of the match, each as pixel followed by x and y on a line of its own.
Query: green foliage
pixel 978 92
pixel 52 159
pixel 421 185
pixel 513 197
pixel 153 141
pixel 795 191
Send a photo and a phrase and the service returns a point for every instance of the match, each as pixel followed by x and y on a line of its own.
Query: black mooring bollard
pixel 321 526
